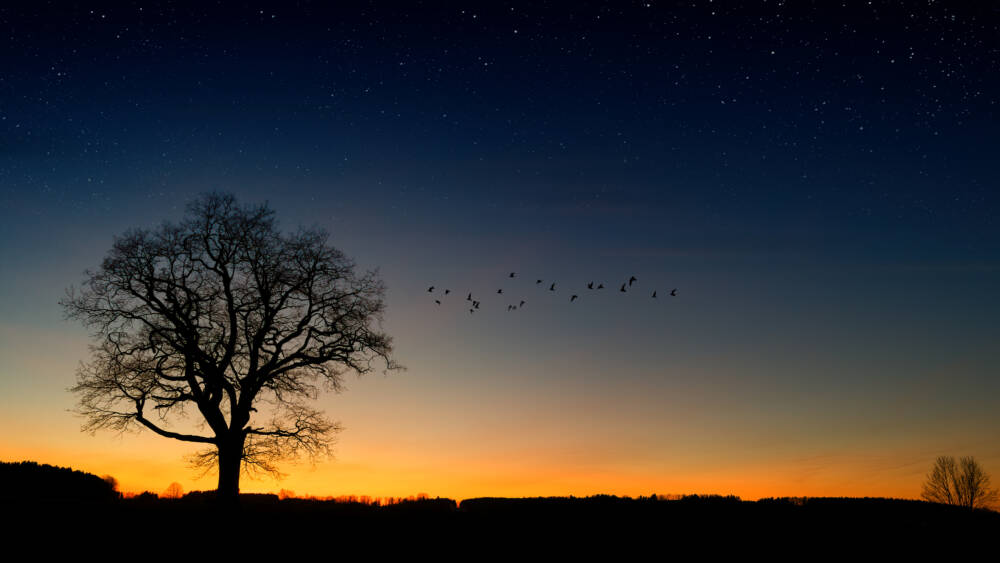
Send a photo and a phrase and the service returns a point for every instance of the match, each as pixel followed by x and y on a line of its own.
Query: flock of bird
pixel 474 303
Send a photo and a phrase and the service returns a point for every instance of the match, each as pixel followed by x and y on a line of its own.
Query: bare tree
pixel 964 483
pixel 174 491
pixel 225 314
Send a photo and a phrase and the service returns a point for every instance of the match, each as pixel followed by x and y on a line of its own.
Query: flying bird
pixel 430 289
pixel 654 294
pixel 574 298
pixel 447 291
pixel 469 298
pixel 472 311
pixel 522 304
pixel 509 307
pixel 475 304
pixel 590 285
pixel 600 286
pixel 631 281
pixel 552 287
pixel 538 282
pixel 499 291
pixel 622 289
pixel 512 274
pixel 437 301
pixel 673 293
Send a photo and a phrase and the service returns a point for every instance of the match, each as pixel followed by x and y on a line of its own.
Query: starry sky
pixel 817 179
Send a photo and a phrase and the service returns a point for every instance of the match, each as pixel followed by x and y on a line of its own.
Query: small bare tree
pixel 224 314
pixel 174 491
pixel 962 483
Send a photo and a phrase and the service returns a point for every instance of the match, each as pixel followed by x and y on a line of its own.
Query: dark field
pixel 57 502
pixel 691 524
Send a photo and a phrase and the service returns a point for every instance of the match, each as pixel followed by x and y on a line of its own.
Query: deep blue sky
pixel 818 180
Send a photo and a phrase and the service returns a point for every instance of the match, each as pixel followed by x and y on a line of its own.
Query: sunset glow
pixel 816 185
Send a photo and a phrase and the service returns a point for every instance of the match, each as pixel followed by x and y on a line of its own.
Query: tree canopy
pixel 224 314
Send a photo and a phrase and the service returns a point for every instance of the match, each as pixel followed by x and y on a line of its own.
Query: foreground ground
pixel 703 522
pixel 71 510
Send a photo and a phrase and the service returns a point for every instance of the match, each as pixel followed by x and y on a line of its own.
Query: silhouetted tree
pixel 964 483
pixel 111 481
pixel 225 314
pixel 173 490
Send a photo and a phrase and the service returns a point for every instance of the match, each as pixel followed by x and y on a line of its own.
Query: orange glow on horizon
pixel 383 478
pixel 455 439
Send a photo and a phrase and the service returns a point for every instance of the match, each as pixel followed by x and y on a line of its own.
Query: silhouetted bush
pixel 28 480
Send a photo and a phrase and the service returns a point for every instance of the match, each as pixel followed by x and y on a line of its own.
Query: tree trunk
pixel 230 460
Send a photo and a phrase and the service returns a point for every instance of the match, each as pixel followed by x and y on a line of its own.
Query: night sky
pixel 817 180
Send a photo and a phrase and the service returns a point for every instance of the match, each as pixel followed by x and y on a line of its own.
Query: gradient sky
pixel 818 181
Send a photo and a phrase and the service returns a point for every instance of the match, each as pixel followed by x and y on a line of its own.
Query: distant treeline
pixel 90 503
pixel 27 480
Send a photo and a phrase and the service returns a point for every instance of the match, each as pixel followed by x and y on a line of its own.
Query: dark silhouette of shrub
pixel 28 480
